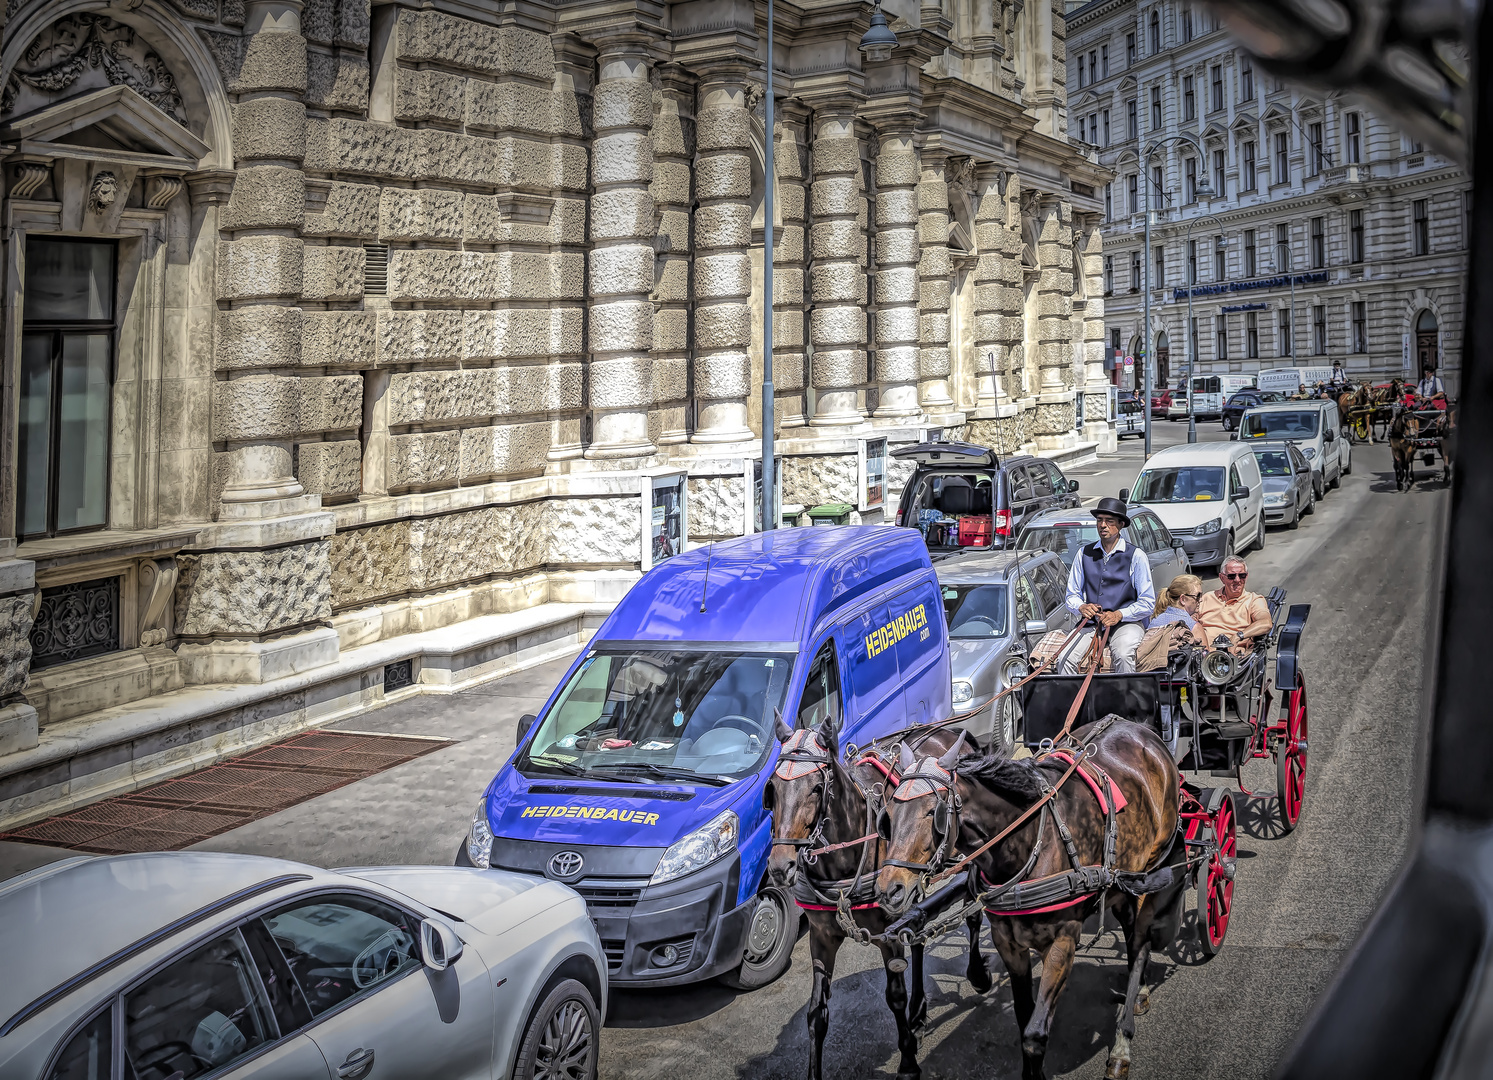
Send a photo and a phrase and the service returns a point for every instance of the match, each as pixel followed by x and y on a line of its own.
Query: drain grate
pixel 178 813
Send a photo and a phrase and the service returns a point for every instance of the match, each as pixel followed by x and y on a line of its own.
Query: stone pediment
pixel 1126 84
pixel 1215 132
pixel 115 123
pixel 1309 108
pixel 1243 124
pixel 1275 115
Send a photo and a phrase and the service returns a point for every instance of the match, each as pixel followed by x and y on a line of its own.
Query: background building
pixel 1317 191
pixel 348 349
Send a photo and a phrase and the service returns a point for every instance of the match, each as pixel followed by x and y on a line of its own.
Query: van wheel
pixel 1319 489
pixel 771 935
pixel 1228 553
pixel 1337 480
pixel 1311 501
pixel 1260 536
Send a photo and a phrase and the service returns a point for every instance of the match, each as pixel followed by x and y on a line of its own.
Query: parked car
pixel 1064 532
pixel 1130 419
pixel 1177 408
pixel 1209 494
pixel 998 604
pixel 961 495
pixel 1161 401
pixel 1287 478
pixel 1234 408
pixel 183 964
pixel 640 783
pixel 1312 425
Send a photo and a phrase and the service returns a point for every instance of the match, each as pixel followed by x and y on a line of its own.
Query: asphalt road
pixel 1369 563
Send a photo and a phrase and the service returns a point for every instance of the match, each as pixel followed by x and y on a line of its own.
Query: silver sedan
pixel 184 964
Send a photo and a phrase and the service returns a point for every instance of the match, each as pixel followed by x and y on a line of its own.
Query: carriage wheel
pixel 1215 883
pixel 1359 429
pixel 1290 759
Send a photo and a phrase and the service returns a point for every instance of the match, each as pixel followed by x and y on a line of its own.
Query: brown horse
pixel 816 804
pixel 1403 430
pixel 1448 444
pixel 1352 398
pixel 944 803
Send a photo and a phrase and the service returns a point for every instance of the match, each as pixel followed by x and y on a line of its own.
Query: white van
pixel 1211 391
pixel 1314 426
pixel 1209 494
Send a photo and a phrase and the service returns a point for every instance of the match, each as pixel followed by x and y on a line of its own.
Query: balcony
pixel 1345 183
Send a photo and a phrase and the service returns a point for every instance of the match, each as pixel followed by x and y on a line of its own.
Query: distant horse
pixel 1352 398
pixel 1448 445
pixel 1403 429
pixel 1384 398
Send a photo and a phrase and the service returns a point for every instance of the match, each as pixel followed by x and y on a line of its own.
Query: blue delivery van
pixel 640 784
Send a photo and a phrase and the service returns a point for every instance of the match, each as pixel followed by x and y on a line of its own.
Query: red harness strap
pixel 1116 796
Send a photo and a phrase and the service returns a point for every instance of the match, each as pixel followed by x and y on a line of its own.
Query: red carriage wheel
pixel 1290 759
pixel 1215 881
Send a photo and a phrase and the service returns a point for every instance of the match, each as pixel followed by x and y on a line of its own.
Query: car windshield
pixel 1296 424
pixel 1273 462
pixel 651 714
pixel 975 611
pixel 1129 406
pixel 1066 540
pixel 1186 484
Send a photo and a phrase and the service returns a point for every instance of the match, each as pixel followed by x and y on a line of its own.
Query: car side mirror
pixel 439 945
pixel 1034 626
pixel 1234 436
pixel 1242 492
pixel 1124 495
pixel 1329 435
pixel 525 722
pixel 1178 544
pixel 1072 485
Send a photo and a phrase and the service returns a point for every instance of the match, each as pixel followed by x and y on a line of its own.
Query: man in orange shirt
pixel 1241 616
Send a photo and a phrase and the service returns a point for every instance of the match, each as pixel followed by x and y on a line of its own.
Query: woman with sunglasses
pixel 1230 610
pixel 1178 603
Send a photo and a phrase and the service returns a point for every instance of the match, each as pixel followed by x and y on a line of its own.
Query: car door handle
pixel 357 1065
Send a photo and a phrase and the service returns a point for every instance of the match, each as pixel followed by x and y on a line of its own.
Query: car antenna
pixel 704 589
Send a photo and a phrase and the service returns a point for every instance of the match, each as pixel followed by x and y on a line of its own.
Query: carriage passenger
pixel 1179 604
pixel 1110 582
pixel 1241 616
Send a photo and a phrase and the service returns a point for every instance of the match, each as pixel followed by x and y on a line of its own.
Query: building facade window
pixel 1219 251
pixel 1421 235
pixel 1132 125
pixel 1109 275
pixel 1360 326
pixel 1158 191
pixel 1216 102
pixel 1135 272
pixel 1283 334
pixel 1080 71
pixel 1155 31
pixel 1314 156
pixel 1353 125
pixel 1220 184
pixel 1132 185
pixel 1355 236
pixel 1252 335
pixel 1186 22
pixel 1319 329
pixel 1192 262
pixel 1283 264
pixel 66 384
pixel 1158 280
pixel 1190 168
pixel 1155 108
pixel 1094 128
pixel 1093 65
pixel 1130 50
pixel 1104 61
pixel 1282 158
pixel 1114 340
pixel 1105 126
pixel 1221 337
pixel 1189 99
pixel 1251 255
pixel 1246 81
pixel 1250 178
pixel 1319 243
pixel 1109 200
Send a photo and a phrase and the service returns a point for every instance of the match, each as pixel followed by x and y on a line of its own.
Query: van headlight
pixel 479 837
pixel 1208 528
pixel 1310 452
pixel 714 840
pixel 964 690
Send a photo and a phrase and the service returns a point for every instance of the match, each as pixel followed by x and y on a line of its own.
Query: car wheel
pixel 1319 489
pixel 562 1038
pixel 1260 536
pixel 1007 723
pixel 1338 479
pixel 771 934
pixel 1295 522
pixel 1311 500
pixel 1228 423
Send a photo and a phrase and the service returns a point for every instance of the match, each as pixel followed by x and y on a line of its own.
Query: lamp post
pixel 1146 321
pixel 1206 191
pixel 769 401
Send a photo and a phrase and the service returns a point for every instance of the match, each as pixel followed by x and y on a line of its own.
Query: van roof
pixel 1202 453
pixel 1291 406
pixel 768 587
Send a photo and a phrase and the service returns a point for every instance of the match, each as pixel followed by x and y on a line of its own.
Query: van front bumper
pixel 1205 550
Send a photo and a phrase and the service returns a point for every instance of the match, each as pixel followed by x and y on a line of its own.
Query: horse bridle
pixel 927 777
pixel 803 755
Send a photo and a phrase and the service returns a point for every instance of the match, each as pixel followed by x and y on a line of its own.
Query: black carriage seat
pixel 1274 599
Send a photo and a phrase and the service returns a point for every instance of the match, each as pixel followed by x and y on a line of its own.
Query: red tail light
pixel 1003 523
pixel 899 515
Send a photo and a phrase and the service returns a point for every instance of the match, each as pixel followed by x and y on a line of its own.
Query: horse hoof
pixel 1142 1006
pixel 1118 1070
pixel 915 1075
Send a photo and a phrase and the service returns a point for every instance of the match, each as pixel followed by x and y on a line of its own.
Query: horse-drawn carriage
pixel 1422 428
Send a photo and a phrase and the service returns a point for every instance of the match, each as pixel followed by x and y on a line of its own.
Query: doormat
pixel 178 813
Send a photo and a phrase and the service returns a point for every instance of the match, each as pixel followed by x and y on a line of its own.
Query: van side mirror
pixel 1034 626
pixel 1234 435
pixel 1241 492
pixel 1124 495
pixel 439 945
pixel 1329 435
pixel 525 722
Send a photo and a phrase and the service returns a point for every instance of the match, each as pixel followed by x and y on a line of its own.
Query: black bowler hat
pixel 1114 508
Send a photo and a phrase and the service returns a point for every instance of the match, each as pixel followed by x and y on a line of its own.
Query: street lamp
pixel 878 41
pixel 1202 186
pixel 1206 191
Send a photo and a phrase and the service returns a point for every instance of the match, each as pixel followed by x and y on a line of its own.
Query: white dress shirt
pixel 1140 576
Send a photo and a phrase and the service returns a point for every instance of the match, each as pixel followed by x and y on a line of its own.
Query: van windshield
pixel 1186 484
pixel 975 611
pixel 1300 424
pixel 662 714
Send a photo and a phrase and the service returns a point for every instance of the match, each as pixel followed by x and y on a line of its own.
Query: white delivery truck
pixel 1209 392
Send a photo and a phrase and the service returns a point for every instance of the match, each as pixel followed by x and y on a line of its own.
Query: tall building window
pixel 1109 200
pixel 1155 30
pixel 1080 71
pixel 1190 167
pixel 1319 329
pixel 1158 277
pixel 1189 99
pixel 1217 101
pixel 1314 139
pixel 1282 158
pixel 1220 185
pixel 1252 335
pixel 1104 61
pixel 1132 185
pixel 1105 125
pixel 1219 251
pixel 1093 65
pixel 1130 50
pixel 1360 326
pixel 1353 126
pixel 1422 233
pixel 1109 274
pixel 1158 192
pixel 1251 255
pixel 66 383
pixel 1155 108
pixel 1187 24
pixel 1192 262
pixel 1250 180
pixel 1136 280
pixel 1283 261
pixel 1283 346
pixel 1246 80
pixel 1114 340
pixel 1094 128
pixel 1221 337
pixel 1132 126
pixel 1319 243
pixel 1355 236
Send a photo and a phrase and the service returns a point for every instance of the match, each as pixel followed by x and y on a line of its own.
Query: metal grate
pixel 398 675
pixel 76 621
pixel 178 813
pixel 608 896
pixel 375 269
pixel 616 952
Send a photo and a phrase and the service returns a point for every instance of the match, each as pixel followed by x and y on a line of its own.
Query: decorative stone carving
pixel 89 52
pixel 157 582
pixel 29 176
pixel 15 642
pixel 102 192
pixel 160 190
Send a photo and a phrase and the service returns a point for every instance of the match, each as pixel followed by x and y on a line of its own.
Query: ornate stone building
pixel 352 352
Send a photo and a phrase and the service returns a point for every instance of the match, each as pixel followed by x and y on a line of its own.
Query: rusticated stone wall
pixel 809 481
pixel 15 643
pixel 251 593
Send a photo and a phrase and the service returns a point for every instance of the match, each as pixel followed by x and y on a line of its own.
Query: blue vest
pixel 1107 583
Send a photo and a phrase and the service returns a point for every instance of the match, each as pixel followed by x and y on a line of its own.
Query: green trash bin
pixel 831 514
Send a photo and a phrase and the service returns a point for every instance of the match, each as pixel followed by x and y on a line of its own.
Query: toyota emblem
pixel 566 864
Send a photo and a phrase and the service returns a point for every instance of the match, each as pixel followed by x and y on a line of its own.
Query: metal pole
pixel 1291 277
pixel 769 411
pixel 1192 359
pixel 1145 180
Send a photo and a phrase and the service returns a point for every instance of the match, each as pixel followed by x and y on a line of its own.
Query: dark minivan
pixel 964 496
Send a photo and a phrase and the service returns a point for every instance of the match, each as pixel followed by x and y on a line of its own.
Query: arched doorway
pixel 1163 360
pixel 1427 335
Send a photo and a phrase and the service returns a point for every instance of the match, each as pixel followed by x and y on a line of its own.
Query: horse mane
pixel 1016 781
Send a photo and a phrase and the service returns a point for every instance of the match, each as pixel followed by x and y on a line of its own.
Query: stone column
pixel 993 243
pixel 673 192
pixel 897 256
pixel 837 325
pixel 1055 297
pixel 791 157
pixel 935 272
pixel 621 259
pixel 1090 249
pixel 723 265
